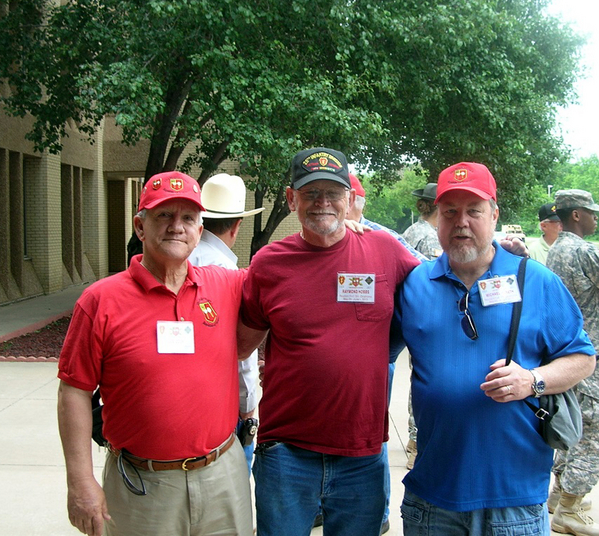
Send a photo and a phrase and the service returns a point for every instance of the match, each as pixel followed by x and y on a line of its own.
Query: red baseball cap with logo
pixel 167 186
pixel 468 176
pixel 357 185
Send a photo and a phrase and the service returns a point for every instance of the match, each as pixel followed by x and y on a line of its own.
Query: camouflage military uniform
pixel 422 236
pixel 577 263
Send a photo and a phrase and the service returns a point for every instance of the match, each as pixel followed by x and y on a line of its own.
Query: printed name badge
pixel 175 337
pixel 357 288
pixel 499 290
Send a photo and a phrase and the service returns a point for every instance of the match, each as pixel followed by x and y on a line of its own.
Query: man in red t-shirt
pixel 160 341
pixel 326 295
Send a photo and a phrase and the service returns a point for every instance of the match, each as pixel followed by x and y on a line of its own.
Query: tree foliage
pixel 255 81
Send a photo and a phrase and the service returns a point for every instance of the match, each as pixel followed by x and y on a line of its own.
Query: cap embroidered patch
pixel 210 315
pixel 322 162
pixel 157 183
pixel 176 185
pixel 460 175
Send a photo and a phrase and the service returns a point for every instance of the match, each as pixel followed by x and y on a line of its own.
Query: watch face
pixel 541 386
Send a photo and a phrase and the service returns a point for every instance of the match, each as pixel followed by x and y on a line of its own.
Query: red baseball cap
pixel 469 176
pixel 170 185
pixel 357 185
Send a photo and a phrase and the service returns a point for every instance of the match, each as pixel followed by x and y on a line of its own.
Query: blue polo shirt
pixel 474 452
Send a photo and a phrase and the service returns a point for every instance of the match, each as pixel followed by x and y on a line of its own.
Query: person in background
pixel 422 234
pixel 325 296
pixel 576 262
pixel 482 465
pixel 223 197
pixel 550 225
pixel 160 341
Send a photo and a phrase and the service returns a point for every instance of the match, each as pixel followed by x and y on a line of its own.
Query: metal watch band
pixel 538 385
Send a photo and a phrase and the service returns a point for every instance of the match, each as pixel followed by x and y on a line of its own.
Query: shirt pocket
pixel 382 308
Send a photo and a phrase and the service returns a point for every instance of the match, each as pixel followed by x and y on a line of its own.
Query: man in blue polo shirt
pixel 481 461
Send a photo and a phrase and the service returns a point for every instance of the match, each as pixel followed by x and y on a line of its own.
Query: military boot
pixel 554 496
pixel 570 518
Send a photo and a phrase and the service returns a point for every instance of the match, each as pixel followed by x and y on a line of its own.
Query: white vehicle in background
pixel 510 230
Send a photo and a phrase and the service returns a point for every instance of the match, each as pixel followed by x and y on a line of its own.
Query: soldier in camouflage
pixel 422 235
pixel 577 263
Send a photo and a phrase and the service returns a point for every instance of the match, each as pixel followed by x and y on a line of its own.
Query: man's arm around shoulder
pixel 86 501
pixel 248 339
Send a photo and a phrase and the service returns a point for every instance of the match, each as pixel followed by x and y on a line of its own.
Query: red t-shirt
pixel 326 373
pixel 160 406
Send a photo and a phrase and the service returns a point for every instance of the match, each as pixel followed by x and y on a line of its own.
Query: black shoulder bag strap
pixel 514 325
pixel 516 312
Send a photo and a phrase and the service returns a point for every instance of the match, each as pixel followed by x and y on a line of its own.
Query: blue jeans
pixel 249 454
pixel 292 482
pixel 421 518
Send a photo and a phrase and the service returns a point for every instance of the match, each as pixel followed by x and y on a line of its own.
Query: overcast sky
pixel 580 123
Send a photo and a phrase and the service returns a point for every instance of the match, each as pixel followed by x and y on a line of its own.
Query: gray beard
pixel 464 256
pixel 323 231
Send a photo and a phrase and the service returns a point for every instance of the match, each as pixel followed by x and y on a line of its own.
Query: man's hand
pixel 87 508
pixel 356 227
pixel 514 245
pixel 504 384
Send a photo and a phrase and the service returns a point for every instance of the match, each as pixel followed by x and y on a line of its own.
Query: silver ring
pixel 509 389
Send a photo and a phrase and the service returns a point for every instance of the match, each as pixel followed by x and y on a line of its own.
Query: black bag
pixel 560 415
pixel 561 419
pixel 97 421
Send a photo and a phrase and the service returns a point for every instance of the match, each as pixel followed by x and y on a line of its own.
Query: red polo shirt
pixel 158 405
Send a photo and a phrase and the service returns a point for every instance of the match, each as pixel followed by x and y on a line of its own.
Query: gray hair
pixel 360 202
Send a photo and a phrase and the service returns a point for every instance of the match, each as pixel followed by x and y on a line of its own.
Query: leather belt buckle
pixel 185 462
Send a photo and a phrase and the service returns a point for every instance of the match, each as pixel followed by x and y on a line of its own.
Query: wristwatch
pixel 538 385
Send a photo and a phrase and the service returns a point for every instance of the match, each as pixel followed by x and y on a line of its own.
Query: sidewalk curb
pixel 25 359
pixel 34 327
pixel 30 329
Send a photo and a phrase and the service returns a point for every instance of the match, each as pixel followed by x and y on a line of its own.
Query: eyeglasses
pixel 468 325
pixel 136 490
pixel 335 194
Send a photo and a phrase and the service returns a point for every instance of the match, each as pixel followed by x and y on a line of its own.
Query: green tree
pixel 582 175
pixel 254 81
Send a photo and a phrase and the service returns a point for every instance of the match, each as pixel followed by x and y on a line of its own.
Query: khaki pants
pixel 210 500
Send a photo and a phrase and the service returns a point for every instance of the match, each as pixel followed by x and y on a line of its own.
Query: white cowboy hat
pixel 223 196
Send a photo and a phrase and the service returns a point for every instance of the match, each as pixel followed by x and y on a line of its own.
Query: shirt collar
pixel 148 282
pixel 210 238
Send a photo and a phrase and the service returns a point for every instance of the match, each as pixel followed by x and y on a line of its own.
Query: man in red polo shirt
pixel 160 341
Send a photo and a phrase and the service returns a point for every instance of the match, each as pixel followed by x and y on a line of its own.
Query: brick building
pixel 66 219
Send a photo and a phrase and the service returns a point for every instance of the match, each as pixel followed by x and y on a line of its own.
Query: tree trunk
pixel 279 212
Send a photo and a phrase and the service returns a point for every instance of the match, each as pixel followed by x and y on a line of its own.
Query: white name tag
pixel 499 290
pixel 358 288
pixel 175 337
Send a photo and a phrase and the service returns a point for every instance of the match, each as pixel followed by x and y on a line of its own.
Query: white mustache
pixel 462 232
